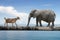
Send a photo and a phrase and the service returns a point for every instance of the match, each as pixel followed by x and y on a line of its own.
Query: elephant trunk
pixel 28 20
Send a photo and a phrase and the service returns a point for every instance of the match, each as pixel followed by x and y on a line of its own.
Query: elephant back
pixel 47 15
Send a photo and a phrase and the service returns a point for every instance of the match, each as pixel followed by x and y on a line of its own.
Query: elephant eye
pixel 31 14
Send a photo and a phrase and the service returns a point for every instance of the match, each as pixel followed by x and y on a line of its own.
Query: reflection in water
pixel 29 35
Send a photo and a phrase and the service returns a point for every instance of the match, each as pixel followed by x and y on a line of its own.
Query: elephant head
pixel 31 15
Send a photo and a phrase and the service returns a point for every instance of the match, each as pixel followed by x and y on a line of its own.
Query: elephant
pixel 45 15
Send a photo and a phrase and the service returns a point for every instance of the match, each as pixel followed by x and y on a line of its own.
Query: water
pixel 29 35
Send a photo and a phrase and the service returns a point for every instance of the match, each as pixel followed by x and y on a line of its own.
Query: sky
pixel 22 8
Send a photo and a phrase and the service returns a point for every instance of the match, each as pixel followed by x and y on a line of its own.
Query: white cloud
pixel 9 10
pixel 47 5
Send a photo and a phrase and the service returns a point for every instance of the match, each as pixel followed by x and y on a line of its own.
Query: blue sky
pixel 25 6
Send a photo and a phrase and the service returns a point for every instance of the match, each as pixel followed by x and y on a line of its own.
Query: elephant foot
pixel 40 25
pixel 36 25
pixel 48 26
pixel 52 25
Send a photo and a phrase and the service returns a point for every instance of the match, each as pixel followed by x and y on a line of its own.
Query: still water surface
pixel 29 35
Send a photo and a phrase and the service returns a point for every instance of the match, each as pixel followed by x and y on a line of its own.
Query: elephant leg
pixel 36 21
pixel 52 24
pixel 48 24
pixel 40 23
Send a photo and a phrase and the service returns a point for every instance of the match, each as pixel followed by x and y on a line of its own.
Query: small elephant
pixel 45 15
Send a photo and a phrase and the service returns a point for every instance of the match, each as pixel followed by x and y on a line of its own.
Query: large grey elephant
pixel 45 15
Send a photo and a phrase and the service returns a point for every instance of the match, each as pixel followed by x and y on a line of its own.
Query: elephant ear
pixel 34 11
